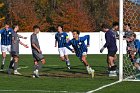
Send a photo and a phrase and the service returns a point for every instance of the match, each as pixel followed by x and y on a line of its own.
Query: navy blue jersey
pixel 110 41
pixel 79 45
pixel 61 38
pixel 137 46
pixel 6 36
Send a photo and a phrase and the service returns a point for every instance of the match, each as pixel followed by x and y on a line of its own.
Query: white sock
pixel 3 61
pixel 67 62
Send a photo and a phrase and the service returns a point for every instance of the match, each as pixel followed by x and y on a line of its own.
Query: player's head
pixel 60 28
pixel 115 26
pixel 75 34
pixel 15 27
pixel 127 26
pixel 105 27
pixel 133 37
pixel 7 24
pixel 36 28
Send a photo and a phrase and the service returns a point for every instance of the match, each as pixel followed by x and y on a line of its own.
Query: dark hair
pixel 128 24
pixel 6 23
pixel 134 35
pixel 78 32
pixel 35 27
pixel 14 25
pixel 105 26
pixel 115 24
pixel 60 26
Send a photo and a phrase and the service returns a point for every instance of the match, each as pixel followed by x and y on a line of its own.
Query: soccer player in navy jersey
pixel 6 41
pixel 80 48
pixel 61 38
pixel 112 49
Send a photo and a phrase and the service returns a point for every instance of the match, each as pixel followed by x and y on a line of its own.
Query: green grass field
pixel 55 78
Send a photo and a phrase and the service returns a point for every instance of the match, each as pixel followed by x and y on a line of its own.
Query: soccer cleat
pixel 17 73
pixel 92 73
pixel 68 66
pixel 36 74
pixel 89 69
pixel 2 66
pixel 112 74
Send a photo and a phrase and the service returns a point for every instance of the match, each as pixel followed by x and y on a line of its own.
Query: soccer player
pixel 112 49
pixel 137 55
pixel 6 35
pixel 6 41
pixel 36 51
pixel 62 38
pixel 128 32
pixel 15 49
pixel 80 48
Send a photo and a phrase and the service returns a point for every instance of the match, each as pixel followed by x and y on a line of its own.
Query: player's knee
pixel 43 61
pixel 62 58
pixel 35 62
pixel 83 59
pixel 4 55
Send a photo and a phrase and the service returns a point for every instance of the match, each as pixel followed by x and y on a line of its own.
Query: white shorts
pixel 5 48
pixel 63 51
pixel 84 53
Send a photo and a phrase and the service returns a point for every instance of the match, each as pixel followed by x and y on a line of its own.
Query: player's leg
pixel 137 66
pixel 36 69
pixel 112 71
pixel 16 59
pixel 4 50
pixel 84 60
pixel 66 57
pixel 61 53
pixel 37 57
pixel 108 64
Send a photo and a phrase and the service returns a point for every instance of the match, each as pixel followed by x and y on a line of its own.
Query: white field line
pixel 42 91
pixel 17 68
pixel 102 87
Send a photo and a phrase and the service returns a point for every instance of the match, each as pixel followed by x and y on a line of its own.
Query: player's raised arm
pixel 86 37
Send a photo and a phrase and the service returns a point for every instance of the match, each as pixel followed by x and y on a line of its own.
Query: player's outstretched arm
pixel 26 46
pixel 20 36
pixel 67 46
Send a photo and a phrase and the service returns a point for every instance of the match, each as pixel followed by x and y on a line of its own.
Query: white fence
pixel 47 41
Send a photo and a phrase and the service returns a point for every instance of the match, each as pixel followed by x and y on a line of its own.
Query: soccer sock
pixel 11 64
pixel 113 68
pixel 36 67
pixel 15 65
pixel 67 62
pixel 3 61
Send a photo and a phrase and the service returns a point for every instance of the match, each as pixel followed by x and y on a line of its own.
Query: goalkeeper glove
pixel 102 49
